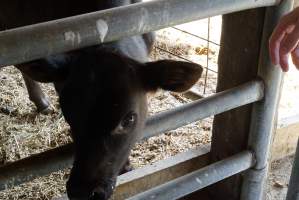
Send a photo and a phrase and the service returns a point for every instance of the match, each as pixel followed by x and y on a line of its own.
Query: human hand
pixel 284 41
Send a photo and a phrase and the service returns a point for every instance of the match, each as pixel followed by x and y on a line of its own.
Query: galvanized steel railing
pixel 40 40
pixel 36 41
pixel 59 158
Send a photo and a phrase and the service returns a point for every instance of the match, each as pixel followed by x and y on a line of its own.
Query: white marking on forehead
pixel 102 28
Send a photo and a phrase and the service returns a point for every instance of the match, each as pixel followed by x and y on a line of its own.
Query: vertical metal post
pixel 264 112
pixel 293 191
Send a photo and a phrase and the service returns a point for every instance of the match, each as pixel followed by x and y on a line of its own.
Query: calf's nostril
pixel 98 194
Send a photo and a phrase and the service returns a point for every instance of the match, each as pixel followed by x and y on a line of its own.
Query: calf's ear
pixel 51 69
pixel 176 76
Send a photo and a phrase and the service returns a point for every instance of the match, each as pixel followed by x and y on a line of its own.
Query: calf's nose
pixel 98 194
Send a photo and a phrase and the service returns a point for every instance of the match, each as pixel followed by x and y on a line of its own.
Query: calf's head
pixel 104 99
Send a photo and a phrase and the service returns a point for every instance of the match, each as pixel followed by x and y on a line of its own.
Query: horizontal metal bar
pixel 41 164
pixel 203 108
pixel 34 166
pixel 199 179
pixel 37 41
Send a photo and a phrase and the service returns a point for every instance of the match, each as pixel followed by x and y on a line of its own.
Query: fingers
pixel 287 45
pixel 284 39
pixel 274 45
pixel 286 25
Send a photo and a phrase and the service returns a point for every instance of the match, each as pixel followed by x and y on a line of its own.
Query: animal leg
pixel 36 95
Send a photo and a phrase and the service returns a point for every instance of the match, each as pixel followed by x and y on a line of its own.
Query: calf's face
pixel 103 98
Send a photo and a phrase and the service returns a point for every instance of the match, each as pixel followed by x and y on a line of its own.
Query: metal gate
pixel 36 41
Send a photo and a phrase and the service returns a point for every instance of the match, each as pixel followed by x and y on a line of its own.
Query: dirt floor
pixel 279 177
pixel 24 132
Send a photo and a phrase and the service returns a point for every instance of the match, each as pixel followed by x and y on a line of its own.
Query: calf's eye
pixel 128 120
pixel 126 123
